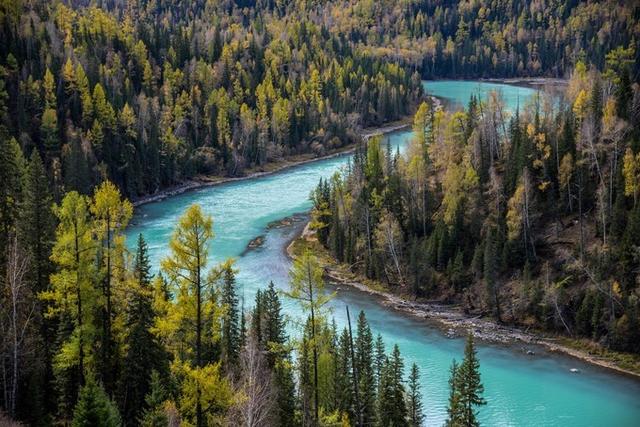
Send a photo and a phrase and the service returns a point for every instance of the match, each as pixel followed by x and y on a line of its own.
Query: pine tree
pixel 366 374
pixel 12 168
pixel 469 385
pixel 94 408
pixel 256 318
pixel 274 332
pixel 344 376
pixel 454 410
pixel 144 353
pixel 230 321
pixel 154 415
pixel 380 358
pixel 391 407
pixel 38 223
pixel 414 398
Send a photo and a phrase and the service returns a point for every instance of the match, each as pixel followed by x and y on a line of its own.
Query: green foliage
pixel 144 357
pixel 415 408
pixel 94 408
pixel 391 407
pixel 466 389
pixel 230 331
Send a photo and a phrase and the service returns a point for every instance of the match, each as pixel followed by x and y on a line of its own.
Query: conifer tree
pixel 144 353
pixel 12 167
pixel 380 358
pixel 230 321
pixel 72 297
pixel 414 398
pixel 154 415
pixel 38 223
pixel 366 374
pixel 344 378
pixel 111 215
pixel 454 410
pixel 469 386
pixel 185 267
pixel 269 324
pixel 391 407
pixel 94 408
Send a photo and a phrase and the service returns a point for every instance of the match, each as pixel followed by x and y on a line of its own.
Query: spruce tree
pixel 275 339
pixel 454 410
pixel 230 319
pixel 37 221
pixel 12 167
pixel 470 385
pixel 344 380
pixel 274 332
pixel 144 354
pixel 392 410
pixel 94 408
pixel 154 415
pixel 414 398
pixel 366 373
pixel 380 358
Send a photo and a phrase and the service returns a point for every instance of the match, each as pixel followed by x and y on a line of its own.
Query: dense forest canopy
pixel 530 217
pixel 148 94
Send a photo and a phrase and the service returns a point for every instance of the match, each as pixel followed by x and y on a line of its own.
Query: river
pixel 521 390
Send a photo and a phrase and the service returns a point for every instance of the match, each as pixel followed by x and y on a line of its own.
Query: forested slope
pixel 530 217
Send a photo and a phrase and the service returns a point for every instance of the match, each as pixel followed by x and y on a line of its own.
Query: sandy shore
pixel 454 322
pixel 276 167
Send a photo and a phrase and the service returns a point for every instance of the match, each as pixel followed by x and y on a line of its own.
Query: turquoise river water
pixel 521 390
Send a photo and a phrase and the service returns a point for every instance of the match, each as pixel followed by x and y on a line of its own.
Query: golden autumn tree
pixel 190 325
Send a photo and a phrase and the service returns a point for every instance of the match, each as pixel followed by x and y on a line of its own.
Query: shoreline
pixel 451 320
pixel 277 167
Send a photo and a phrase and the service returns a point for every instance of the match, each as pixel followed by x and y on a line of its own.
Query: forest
pixel 530 218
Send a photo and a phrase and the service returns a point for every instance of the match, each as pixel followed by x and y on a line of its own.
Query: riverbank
pixel 273 167
pixel 454 322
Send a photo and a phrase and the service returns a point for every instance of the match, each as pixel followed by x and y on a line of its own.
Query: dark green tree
pixel 144 353
pixel 154 415
pixel 469 385
pixel 366 374
pixel 231 317
pixel 414 398
pixel 94 408
pixel 391 407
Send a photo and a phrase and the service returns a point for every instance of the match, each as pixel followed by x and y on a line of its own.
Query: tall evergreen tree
pixel 37 221
pixel 366 374
pixel 391 407
pixel 454 409
pixel 230 319
pixel 468 387
pixel 414 398
pixel 144 353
